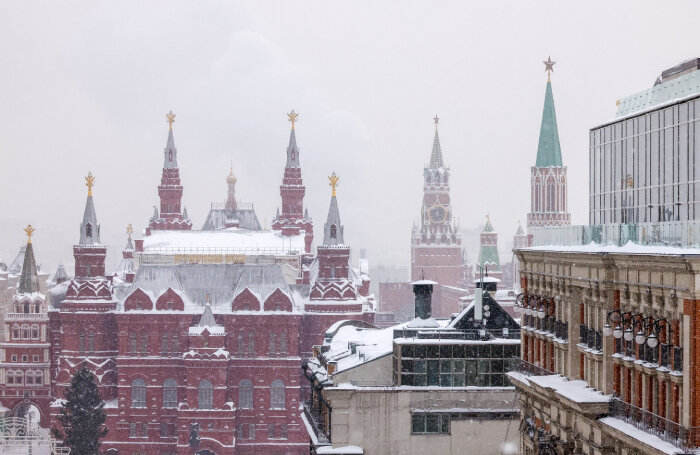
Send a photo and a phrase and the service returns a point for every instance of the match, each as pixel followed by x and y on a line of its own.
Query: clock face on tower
pixel 437 214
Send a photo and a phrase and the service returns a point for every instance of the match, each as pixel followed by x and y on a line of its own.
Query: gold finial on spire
pixel 29 230
pixel 170 118
pixel 293 116
pixel 488 218
pixel 89 182
pixel 549 67
pixel 436 119
pixel 333 182
pixel 129 231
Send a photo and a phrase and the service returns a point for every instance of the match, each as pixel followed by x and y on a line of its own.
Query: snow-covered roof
pixel 231 240
pixel 577 390
pixel 220 283
pixel 219 217
pixel 423 282
pixel 207 322
pixel 422 323
pixel 369 345
pixel 345 450
pixel 640 435
pixel 628 248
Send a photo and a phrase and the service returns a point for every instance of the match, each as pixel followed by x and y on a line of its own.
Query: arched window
pixel 205 395
pixel 273 342
pixel 550 196
pixel 277 395
pixel 251 344
pixel 30 378
pixel 19 377
pixel 283 343
pixel 35 331
pixel 241 345
pixel 245 394
pixel 88 230
pixel 334 231
pixel 25 331
pixel 170 154
pixel 81 343
pixel 10 377
pixel 38 377
pixel 26 307
pixel 15 332
pixel 138 393
pixel 170 393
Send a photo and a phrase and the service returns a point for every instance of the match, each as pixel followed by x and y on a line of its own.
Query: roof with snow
pixel 217 283
pixel 628 248
pixel 16 265
pixel 219 217
pixel 675 84
pixel 207 322
pixel 223 241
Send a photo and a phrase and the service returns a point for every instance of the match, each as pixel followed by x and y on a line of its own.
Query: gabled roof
pixel 548 148
pixel 498 317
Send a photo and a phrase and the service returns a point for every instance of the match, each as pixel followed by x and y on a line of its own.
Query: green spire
pixel 549 150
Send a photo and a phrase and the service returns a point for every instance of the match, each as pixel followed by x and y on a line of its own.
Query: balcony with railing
pixel 654 424
pixel 26 317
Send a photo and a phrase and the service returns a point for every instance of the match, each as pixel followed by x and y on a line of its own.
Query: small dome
pixel 231 178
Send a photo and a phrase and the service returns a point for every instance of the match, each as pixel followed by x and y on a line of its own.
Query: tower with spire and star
pixel 293 219
pixel 436 244
pixel 548 200
pixel 24 352
pixel 171 216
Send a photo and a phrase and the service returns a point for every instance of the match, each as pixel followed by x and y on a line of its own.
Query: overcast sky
pixel 84 86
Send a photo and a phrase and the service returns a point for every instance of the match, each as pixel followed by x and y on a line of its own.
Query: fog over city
pixel 85 86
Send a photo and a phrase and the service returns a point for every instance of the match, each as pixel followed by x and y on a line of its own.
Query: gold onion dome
pixel 231 178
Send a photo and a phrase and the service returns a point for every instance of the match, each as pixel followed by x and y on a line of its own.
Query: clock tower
pixel 436 244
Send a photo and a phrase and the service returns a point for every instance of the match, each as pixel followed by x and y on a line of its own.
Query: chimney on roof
pixel 422 290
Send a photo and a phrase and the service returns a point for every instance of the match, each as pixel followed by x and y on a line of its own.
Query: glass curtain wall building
pixel 643 163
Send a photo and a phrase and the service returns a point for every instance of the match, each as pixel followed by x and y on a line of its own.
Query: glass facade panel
pixel 642 169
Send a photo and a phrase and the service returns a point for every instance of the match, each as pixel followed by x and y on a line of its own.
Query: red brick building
pixel 436 247
pixel 200 353
pixel 24 354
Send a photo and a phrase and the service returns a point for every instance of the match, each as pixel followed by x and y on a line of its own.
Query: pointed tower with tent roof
pixel 82 325
pixel 436 244
pixel 520 240
pixel 172 216
pixel 125 270
pixel 293 218
pixel 338 291
pixel 24 354
pixel 488 252
pixel 548 201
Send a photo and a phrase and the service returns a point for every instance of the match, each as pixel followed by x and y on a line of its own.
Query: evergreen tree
pixel 82 416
